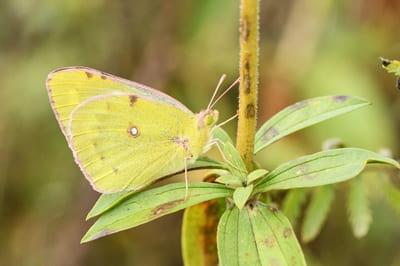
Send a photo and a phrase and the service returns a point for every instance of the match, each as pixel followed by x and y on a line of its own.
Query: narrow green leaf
pixel 322 168
pixel 317 212
pixel 241 195
pixel 255 175
pixel 234 161
pixel 227 238
pixel 358 207
pixel 151 204
pixel 292 204
pixel 303 114
pixel 230 180
pixel 257 235
pixel 220 134
pixel 107 201
pixel 199 233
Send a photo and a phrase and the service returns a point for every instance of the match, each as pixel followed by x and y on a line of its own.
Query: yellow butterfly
pixel 125 135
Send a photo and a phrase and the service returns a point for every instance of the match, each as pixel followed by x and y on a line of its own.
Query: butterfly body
pixel 125 135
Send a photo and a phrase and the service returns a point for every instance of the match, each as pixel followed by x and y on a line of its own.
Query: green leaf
pixel 241 195
pixel 230 180
pixel 304 114
pixel 199 233
pixel 107 201
pixel 317 212
pixel 322 168
pixel 257 235
pixel 292 204
pixel 234 163
pixel 220 134
pixel 358 207
pixel 151 204
pixel 255 175
pixel 204 162
pixel 392 66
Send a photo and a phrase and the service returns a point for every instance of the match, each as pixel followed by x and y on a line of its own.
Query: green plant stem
pixel 249 36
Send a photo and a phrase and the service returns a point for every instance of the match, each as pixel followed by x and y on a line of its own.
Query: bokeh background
pixel 307 49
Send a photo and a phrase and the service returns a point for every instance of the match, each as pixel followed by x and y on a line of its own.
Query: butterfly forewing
pixel 124 142
pixel 69 87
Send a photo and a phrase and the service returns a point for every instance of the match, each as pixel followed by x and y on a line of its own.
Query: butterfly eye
pixel 134 131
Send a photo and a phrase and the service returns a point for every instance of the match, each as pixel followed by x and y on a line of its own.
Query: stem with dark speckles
pixel 249 37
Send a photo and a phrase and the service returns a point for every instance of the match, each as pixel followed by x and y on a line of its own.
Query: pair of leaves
pixel 257 235
pixel 326 167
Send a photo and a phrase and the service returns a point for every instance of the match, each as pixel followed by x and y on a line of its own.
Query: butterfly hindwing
pixel 124 142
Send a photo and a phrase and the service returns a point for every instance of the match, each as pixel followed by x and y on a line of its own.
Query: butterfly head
pixel 207 118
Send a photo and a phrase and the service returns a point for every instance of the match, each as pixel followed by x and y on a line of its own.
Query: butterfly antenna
pixel 216 89
pixel 224 122
pixel 225 92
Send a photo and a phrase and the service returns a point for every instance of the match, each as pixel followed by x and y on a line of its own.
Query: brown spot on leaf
pixel 300 104
pixel 269 241
pixel 287 232
pixel 132 99
pixel 272 132
pixel 165 207
pixel 274 262
pixel 89 75
pixel 340 98
pixel 250 111
pixel 103 233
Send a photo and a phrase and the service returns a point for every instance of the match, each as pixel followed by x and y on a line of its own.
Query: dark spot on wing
pixel 165 207
pixel 132 99
pixel 95 144
pixel 102 158
pixel 115 170
pixel 272 132
pixel 103 76
pixel 287 232
pixel 89 75
pixel 250 111
pixel 340 98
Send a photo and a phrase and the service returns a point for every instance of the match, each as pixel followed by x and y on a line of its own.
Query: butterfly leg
pixel 186 179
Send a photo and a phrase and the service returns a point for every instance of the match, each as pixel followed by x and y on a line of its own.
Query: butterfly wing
pixel 124 142
pixel 69 87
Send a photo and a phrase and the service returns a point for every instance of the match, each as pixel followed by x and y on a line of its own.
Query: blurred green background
pixel 308 48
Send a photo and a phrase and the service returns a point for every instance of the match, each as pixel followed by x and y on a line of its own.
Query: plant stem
pixel 249 37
